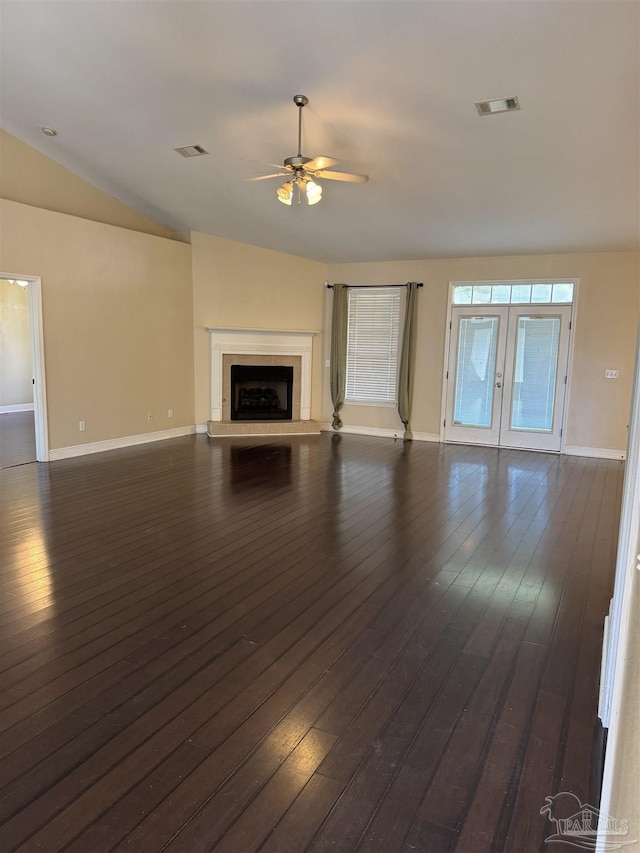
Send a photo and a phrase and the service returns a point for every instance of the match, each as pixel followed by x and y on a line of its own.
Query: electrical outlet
pixel 149 416
pixel 327 363
pixel 170 413
pixel 82 426
pixel 612 374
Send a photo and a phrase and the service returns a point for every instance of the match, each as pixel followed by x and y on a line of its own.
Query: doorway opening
pixel 507 369
pixel 23 421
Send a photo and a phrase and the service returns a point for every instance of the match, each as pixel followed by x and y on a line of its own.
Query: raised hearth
pixel 220 429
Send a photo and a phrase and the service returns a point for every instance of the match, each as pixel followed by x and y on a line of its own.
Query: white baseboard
pixel 569 450
pixel 118 443
pixel 19 407
pixel 378 432
pixel 427 436
pixel 594 452
pixel 201 429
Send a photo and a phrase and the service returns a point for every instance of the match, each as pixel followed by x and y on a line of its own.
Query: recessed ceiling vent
pixel 191 150
pixel 497 105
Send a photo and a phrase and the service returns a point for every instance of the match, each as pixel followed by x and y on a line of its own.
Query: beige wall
pixel 16 372
pixel 29 177
pixel 605 335
pixel 236 285
pixel 118 322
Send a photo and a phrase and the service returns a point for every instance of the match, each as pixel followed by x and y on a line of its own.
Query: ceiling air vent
pixel 497 105
pixel 191 150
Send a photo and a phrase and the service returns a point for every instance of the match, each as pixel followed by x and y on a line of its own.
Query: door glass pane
pixel 535 370
pixel 475 371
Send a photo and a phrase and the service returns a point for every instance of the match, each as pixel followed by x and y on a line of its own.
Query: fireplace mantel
pixel 237 341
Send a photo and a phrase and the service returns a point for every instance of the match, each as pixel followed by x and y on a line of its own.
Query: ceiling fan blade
pixel 342 176
pixel 320 163
pixel 275 175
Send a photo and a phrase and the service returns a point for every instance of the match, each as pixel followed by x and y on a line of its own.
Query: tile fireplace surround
pixel 260 346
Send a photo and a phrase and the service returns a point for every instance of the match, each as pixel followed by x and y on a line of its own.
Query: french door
pixel 506 376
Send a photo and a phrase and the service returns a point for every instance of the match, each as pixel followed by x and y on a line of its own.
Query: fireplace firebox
pixel 261 393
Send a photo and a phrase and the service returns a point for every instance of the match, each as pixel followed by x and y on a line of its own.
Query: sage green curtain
pixel 338 368
pixel 407 359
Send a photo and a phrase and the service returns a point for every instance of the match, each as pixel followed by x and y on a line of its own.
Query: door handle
pixel 498 384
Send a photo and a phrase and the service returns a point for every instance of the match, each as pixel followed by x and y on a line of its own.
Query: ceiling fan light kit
pixel 301 172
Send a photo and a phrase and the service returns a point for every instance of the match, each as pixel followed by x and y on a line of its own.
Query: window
pixel 503 293
pixel 372 344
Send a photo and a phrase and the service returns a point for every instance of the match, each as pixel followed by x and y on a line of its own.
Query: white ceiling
pixel 391 86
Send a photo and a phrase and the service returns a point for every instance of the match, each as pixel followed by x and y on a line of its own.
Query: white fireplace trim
pixel 234 341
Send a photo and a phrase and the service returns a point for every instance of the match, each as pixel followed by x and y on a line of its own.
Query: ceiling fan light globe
pixel 314 192
pixel 285 193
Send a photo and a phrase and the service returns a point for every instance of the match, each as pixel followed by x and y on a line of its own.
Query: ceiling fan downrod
pixel 299 161
pixel 300 101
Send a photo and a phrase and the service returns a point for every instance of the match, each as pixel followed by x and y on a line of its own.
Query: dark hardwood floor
pixel 17 439
pixel 330 643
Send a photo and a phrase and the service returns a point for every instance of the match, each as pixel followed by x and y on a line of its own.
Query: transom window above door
pixel 513 293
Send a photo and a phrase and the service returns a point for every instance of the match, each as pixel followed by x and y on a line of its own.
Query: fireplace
pixel 263 348
pixel 261 392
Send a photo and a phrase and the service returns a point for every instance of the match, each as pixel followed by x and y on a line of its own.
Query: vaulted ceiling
pixel 392 88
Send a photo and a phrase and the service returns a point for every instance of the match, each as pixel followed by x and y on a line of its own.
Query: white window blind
pixel 536 367
pixel 372 344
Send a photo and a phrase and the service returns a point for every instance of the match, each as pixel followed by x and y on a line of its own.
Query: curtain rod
pixel 352 286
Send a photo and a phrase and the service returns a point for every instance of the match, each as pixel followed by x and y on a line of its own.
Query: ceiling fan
pixel 301 172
